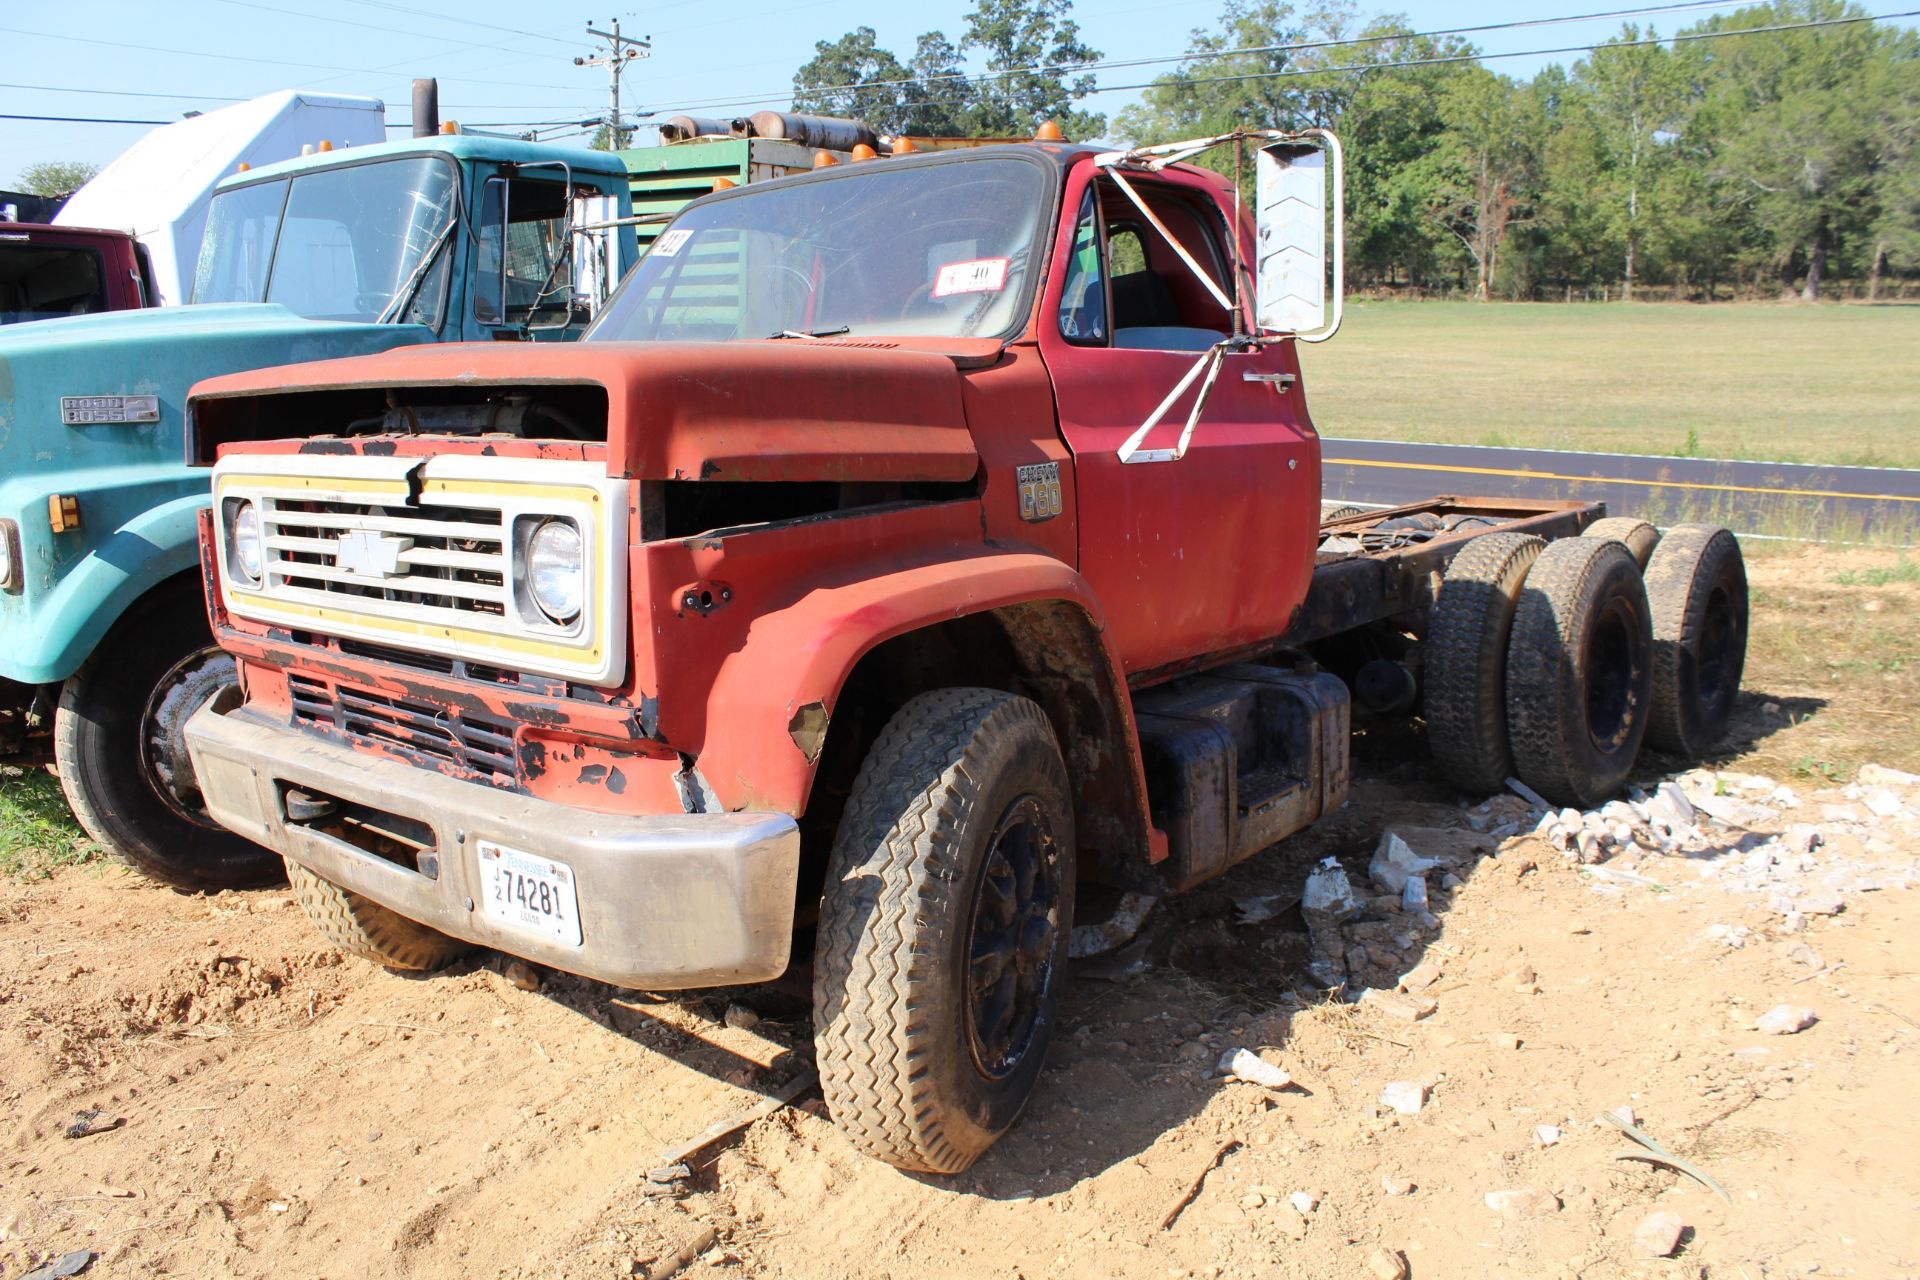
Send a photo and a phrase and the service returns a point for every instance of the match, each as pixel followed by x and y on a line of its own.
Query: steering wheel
pixel 915 300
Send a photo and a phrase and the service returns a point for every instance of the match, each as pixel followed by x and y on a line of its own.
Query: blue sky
pixel 504 61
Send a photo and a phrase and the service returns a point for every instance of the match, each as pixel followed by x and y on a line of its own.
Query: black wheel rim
pixel 1016 922
pixel 1613 670
pixel 1719 638
pixel 186 686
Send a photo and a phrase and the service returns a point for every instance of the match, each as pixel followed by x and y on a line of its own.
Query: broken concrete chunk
pixel 1785 1020
pixel 1413 894
pixel 1527 793
pixel 1407 1008
pixel 1523 1202
pixel 1878 775
pixel 1658 1234
pixel 1884 804
pixel 1116 931
pixel 1388 1264
pixel 1420 977
pixel 1245 1064
pixel 1404 1096
pixel 1671 803
pixel 1329 892
pixel 1394 861
pixel 1546 1135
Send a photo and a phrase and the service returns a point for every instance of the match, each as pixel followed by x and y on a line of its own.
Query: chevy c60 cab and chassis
pixel 909 544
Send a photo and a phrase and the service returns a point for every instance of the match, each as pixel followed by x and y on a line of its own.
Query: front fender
pixel 48 636
pixel 800 657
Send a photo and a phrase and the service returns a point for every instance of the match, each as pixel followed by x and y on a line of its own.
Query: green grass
pixel 1786 383
pixel 37 834
pixel 1901 570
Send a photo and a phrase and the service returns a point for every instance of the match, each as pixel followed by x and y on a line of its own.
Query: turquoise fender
pixel 64 626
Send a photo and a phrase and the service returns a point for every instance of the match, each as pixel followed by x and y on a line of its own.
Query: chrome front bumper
pixel 667 901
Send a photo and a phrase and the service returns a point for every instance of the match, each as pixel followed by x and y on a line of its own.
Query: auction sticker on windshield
pixel 670 242
pixel 529 894
pixel 981 275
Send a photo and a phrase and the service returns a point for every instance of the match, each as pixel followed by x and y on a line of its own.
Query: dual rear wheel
pixel 1556 662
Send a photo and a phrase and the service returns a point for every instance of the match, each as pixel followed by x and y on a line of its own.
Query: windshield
pixel 336 244
pixel 937 250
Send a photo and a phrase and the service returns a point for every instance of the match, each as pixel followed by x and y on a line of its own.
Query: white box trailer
pixel 158 188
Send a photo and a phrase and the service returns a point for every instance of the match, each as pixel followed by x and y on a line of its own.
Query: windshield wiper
pixel 811 333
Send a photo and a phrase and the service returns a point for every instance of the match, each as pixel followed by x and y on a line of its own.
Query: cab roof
pixel 460 147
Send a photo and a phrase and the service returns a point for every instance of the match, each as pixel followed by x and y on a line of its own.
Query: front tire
pixel 123 760
pixel 361 927
pixel 943 933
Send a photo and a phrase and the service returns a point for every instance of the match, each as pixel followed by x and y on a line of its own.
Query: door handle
pixel 1284 381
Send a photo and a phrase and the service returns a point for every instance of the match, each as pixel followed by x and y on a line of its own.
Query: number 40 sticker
pixel 981 275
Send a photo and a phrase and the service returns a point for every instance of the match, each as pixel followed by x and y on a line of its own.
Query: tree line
pixel 1700 164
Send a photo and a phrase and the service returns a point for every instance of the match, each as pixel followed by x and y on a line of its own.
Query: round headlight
pixel 249 548
pixel 556 573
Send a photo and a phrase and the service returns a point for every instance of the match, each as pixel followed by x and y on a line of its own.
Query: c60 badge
pixel 1039 491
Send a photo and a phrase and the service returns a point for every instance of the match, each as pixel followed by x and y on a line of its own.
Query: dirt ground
pixel 267 1108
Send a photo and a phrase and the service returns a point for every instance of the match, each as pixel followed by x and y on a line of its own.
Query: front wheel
pixel 122 754
pixel 943 935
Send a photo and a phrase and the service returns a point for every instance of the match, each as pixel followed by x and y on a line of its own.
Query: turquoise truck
pixel 104 644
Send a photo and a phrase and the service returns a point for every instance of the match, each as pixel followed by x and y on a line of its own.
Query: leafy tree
pixel 1029 47
pixel 56 177
pixel 1015 35
pixel 1484 167
pixel 1637 95
pixel 853 76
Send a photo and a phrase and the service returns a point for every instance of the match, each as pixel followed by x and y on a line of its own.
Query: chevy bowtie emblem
pixel 367 553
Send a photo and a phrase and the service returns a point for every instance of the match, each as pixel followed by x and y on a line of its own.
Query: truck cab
pixel 908 543
pixel 47 272
pixel 103 640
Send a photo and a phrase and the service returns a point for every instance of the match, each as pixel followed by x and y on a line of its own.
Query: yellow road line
pixel 1665 484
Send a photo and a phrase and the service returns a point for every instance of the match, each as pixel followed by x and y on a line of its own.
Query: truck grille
pixel 449 557
pixel 476 744
pixel 422 555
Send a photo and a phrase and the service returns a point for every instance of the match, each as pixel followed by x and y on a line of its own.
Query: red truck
pixel 47 272
pixel 910 542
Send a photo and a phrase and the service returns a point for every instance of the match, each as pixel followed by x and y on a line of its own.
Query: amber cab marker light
pixel 325 145
pixel 242 167
pixel 821 159
pixel 1049 131
pixel 449 126
pixel 904 147
pixel 724 184
pixel 861 151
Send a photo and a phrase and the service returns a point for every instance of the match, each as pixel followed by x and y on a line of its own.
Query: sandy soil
pixel 283 1112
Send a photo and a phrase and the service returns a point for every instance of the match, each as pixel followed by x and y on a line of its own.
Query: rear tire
pixel 364 928
pixel 943 932
pixel 123 761
pixel 1579 671
pixel 1697 588
pixel 1466 660
pixel 1640 537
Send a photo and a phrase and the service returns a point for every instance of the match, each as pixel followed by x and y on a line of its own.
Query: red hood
pixel 880 409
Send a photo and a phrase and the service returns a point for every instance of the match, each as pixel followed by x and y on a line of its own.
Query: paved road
pixel 1781 498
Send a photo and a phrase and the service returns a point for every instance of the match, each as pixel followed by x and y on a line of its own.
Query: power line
pixel 1523 53
pixel 196 97
pixel 471 22
pixel 83 119
pixel 240 57
pixel 1204 55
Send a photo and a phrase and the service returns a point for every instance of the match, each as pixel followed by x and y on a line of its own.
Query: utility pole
pixel 620 51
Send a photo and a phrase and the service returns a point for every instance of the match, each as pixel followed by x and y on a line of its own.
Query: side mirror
pixel 1293 196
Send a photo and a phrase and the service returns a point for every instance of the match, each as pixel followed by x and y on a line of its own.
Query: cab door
pixel 1211 551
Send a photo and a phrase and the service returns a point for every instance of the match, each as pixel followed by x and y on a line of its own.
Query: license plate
pixel 529 894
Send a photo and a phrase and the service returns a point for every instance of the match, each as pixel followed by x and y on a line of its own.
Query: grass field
pixel 1832 384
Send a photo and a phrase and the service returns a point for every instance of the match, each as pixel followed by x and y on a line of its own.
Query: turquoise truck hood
pixel 160 352
pixel 125 475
